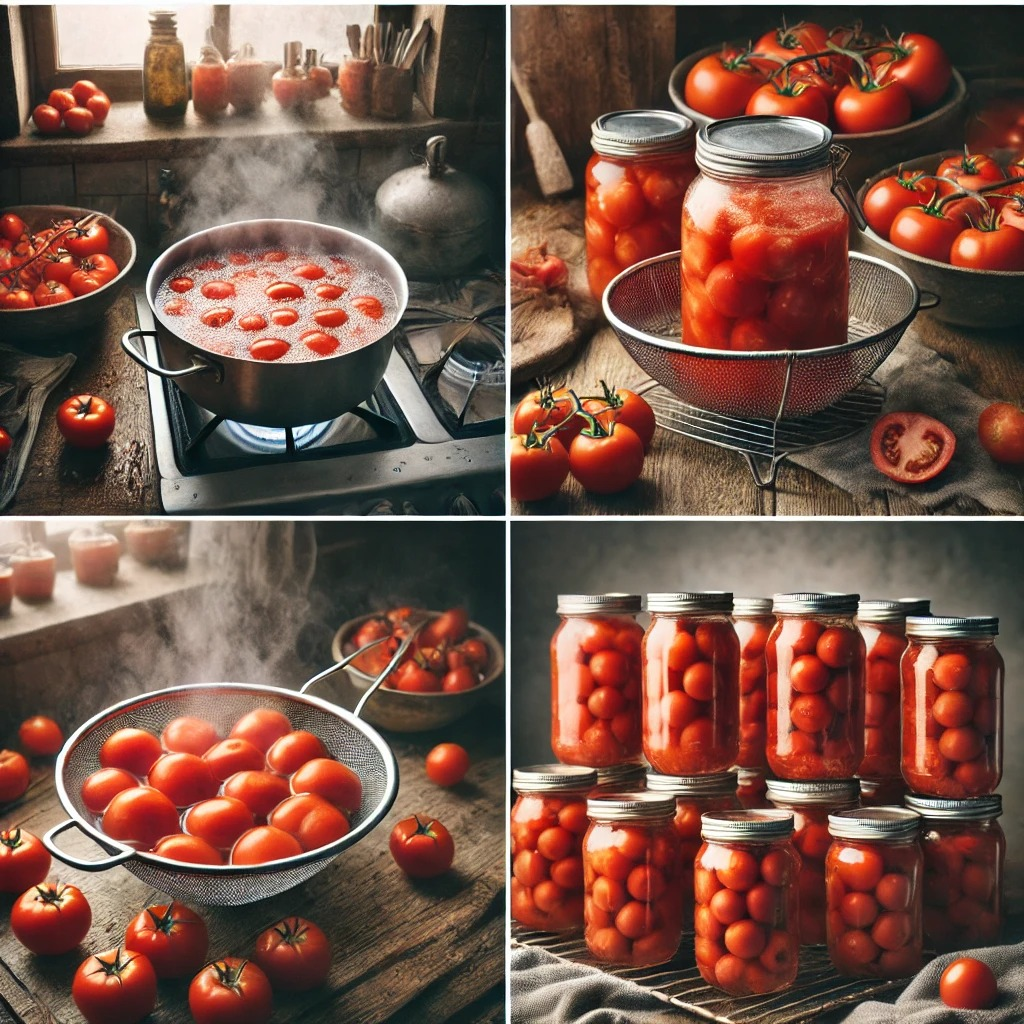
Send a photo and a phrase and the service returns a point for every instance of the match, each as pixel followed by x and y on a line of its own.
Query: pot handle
pixel 124 852
pixel 199 365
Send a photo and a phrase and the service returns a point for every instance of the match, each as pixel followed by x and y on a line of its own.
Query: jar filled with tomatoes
pixel 873 892
pixel 595 680
pixel 811 803
pixel 210 82
pixel 95 555
pixel 765 261
pixel 642 165
pixel 33 574
pixel 620 778
pixel 753 620
pixel 691 684
pixel 746 901
pixel 815 659
pixel 632 907
pixel 952 677
pixel 964 848
pixel 752 789
pixel 547 824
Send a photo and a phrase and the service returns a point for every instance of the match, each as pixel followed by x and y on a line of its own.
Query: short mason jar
pixel 596 680
pixel 765 237
pixel 548 820
pixel 952 707
pixel 632 906
pixel 810 804
pixel 642 165
pixel 964 849
pixel 873 875
pixel 746 901
pixel 815 660
pixel 752 789
pixel 629 777
pixel 753 620
pixel 691 684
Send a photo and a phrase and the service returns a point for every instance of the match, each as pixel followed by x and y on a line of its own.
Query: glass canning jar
pixel 811 803
pixel 815 660
pixel 746 901
pixel 635 182
pixel 210 83
pixel 751 789
pixel 952 707
pixel 595 680
pixel 691 684
pixel 164 75
pixel 95 555
pixel 753 620
pixel 620 778
pixel 765 253
pixel 546 826
pixel 873 892
pixel 964 848
pixel 632 908
pixel 33 574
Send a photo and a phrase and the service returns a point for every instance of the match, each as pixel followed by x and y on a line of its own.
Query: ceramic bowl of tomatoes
pixel 451 669
pixel 970 295
pixel 67 289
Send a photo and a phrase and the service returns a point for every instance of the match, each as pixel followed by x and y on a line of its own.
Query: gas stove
pixel 429 441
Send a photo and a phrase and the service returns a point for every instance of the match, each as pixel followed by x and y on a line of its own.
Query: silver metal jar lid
pixel 815 604
pixel 820 791
pixel 646 132
pixel 763 146
pixel 881 611
pixel 694 602
pixel 979 808
pixel 916 605
pixel 547 778
pixel 743 607
pixel 749 826
pixel 584 604
pixel 874 823
pixel 628 776
pixel 719 784
pixel 631 806
pixel 940 627
pixel 749 775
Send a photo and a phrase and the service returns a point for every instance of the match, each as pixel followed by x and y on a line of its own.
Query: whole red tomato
pixel 969 170
pixel 40 736
pixel 910 447
pixel 412 677
pixel 787 42
pixel 134 750
pixel 968 984
pixel 721 84
pixel 12 227
pixel 541 410
pixel 16 298
pixel 537 469
pixel 79 120
pixel 796 99
pixel 141 816
pixel 174 938
pixel 460 678
pixel 115 987
pixel 606 461
pixel 50 919
pixel 83 89
pixel 86 421
pixel 84 242
pixel 50 293
pixel 626 407
pixel 449 627
pixel 14 776
pixel 311 820
pixel 989 246
pixel 295 955
pixel 447 764
pixel 920 65
pixel 422 849
pixel 6 443
pixel 867 106
pixel 925 231
pixel 890 195
pixel 24 861
pixel 262 727
pixel 62 99
pixel 47 119
pixel 1001 432
pixel 230 991
pixel 334 781
pixel 102 786
pixel 99 107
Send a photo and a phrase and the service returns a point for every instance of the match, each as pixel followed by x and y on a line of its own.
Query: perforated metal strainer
pixel 643 306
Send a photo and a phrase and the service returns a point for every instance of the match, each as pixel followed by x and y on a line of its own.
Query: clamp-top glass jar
pixel 765 253
pixel 691 684
pixel 952 707
pixel 635 182
pixel 164 75
pixel 753 620
pixel 596 680
pixel 815 659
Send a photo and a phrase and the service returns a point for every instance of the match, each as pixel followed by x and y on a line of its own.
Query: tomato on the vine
pixel 925 231
pixel 447 764
pixel 968 170
pixel 792 99
pixel 989 246
pixel 910 447
pixel 606 460
pixel 115 987
pixel 295 955
pixel 230 991
pixel 920 65
pixel 968 984
pixel 174 938
pixel 890 195
pixel 422 849
pixel 16 298
pixel 1001 432
pixel 51 919
pixel 24 861
pixel 869 106
pixel 14 776
pixel 40 736
pixel 721 84
pixel 537 468
pixel 549 407
pixel 86 421
pixel 624 406
pixel 82 242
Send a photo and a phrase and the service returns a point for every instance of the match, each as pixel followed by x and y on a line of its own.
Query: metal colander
pixel 643 306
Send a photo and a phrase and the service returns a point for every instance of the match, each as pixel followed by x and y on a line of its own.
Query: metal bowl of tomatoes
pixel 71 305
pixel 412 710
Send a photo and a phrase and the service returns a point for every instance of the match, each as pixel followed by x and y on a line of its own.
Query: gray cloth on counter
pixel 918 379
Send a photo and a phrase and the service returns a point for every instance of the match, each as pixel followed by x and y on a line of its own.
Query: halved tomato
pixel 910 447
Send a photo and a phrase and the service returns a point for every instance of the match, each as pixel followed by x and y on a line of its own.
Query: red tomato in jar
pixel 230 991
pixel 422 848
pixel 720 85
pixel 536 470
pixel 50 919
pixel 871 108
pixel 115 987
pixel 295 954
pixel 996 247
pixel 911 447
pixel 24 861
pixel 87 421
pixel 174 938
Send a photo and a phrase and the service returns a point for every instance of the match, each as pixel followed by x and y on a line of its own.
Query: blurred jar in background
pixel 210 82
pixel 94 556
pixel 159 542
pixel 34 574
pixel 247 80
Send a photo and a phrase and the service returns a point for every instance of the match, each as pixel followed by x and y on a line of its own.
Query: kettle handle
pixel 435 153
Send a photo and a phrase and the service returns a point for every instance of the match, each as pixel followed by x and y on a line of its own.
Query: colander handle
pixel 124 852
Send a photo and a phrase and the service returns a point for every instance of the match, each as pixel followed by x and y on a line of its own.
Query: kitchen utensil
pixel 435 219
pixel 553 174
pixel 416 43
pixel 263 393
pixel 367 50
pixel 400 45
pixel 643 306
pixel 346 736
pixel 354 39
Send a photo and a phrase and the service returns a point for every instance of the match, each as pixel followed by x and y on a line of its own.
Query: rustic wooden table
pixel 690 478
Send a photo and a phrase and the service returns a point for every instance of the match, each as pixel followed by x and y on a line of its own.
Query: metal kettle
pixel 435 220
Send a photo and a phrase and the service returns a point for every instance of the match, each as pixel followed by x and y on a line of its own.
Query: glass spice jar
pixel 630 777
pixel 210 82
pixel 811 803
pixel 595 680
pixel 635 182
pixel 753 620
pixel 752 789
pixel 691 684
pixel 746 902
pixel 815 661
pixel 247 80
pixel 964 848
pixel 632 908
pixel 548 820
pixel 164 75
pixel 873 892
pixel 765 260
pixel 952 678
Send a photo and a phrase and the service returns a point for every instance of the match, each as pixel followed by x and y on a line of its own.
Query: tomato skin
pixel 537 472
pixel 88 242
pixel 911 448
pixel 1001 248
pixel 14 776
pixel 230 991
pixel 24 861
pixel 86 421
pixel 931 235
pixel 187 849
pixel 261 727
pixel 857 110
pixel 422 849
pixel 718 87
pixel 51 919
pixel 47 119
pixel 40 736
pixel 1001 432
pixel 62 99
pixel 102 786
pixel 295 955
pixel 369 305
pixel 172 936
pixel 262 844
pixel 447 764
pixel 607 464
pixel 968 984
pixel 115 987
pixel 141 816
pixel 188 735
pixel 890 195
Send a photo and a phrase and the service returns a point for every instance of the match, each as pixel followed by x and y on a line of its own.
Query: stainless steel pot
pixel 262 393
